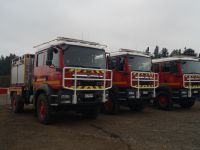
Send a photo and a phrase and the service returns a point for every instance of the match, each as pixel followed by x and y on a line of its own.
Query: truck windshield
pixel 140 63
pixel 190 66
pixel 77 56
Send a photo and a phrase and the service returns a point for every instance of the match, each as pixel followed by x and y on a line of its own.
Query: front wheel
pixel 43 109
pixel 17 103
pixel 164 102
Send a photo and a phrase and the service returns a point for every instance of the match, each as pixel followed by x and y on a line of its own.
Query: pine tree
pixel 175 52
pixel 147 51
pixel 156 52
pixel 164 52
pixel 189 52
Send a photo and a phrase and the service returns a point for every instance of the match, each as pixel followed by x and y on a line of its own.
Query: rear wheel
pixel 164 102
pixel 43 109
pixel 17 103
pixel 188 104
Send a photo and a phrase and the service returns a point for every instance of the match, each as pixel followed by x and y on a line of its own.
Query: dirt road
pixel 151 129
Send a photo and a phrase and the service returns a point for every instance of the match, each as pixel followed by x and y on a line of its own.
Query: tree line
pixel 165 53
pixel 5 70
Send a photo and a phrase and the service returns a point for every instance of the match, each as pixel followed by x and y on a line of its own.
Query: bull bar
pixel 188 79
pixel 144 77
pixel 88 77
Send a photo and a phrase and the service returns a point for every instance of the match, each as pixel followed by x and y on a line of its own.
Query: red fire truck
pixel 64 74
pixel 133 81
pixel 179 81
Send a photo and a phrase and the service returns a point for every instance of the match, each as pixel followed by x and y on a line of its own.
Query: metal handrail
pixel 75 78
pixel 138 79
pixel 189 81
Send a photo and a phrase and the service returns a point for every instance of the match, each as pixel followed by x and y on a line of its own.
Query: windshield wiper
pixel 95 67
pixel 77 66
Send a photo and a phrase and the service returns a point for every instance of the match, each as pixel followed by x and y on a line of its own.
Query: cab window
pixel 40 59
pixel 117 63
pixel 156 68
pixel 120 63
pixel 112 62
pixel 55 60
pixel 166 67
pixel 173 67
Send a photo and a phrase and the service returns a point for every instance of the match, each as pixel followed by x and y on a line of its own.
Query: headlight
pixel 183 92
pixel 107 95
pixel 145 92
pixel 131 97
pixel 131 93
pixel 195 92
pixel 65 97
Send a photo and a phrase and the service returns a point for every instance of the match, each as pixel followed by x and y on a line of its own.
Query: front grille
pixel 90 83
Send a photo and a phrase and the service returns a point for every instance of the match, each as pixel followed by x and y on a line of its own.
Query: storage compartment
pixel 22 70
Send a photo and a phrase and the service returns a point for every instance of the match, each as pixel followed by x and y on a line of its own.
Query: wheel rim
pixel 14 102
pixel 108 105
pixel 42 110
pixel 163 100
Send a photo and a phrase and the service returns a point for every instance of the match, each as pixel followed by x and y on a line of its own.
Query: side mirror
pixel 50 54
pixel 49 62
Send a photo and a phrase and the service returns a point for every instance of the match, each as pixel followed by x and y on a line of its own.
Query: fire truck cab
pixel 64 74
pixel 133 81
pixel 179 81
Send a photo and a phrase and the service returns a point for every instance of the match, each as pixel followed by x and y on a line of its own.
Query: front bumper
pixel 65 97
pixel 184 93
pixel 130 96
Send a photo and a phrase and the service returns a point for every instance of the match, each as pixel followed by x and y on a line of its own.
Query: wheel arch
pixel 43 89
pixel 164 89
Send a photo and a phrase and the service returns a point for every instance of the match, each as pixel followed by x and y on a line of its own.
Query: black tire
pixel 164 101
pixel 111 106
pixel 92 113
pixel 17 103
pixel 188 104
pixel 43 109
pixel 136 107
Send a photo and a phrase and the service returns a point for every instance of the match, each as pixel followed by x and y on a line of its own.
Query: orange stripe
pixel 47 82
pixel 119 83
pixel 173 83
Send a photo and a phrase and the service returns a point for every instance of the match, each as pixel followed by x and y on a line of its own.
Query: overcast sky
pixel 133 24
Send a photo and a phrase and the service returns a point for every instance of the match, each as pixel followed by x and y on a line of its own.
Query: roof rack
pixel 131 51
pixel 128 51
pixel 174 58
pixel 20 59
pixel 58 40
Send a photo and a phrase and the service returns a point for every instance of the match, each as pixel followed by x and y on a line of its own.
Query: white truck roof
pixel 70 41
pixel 129 52
pixel 173 59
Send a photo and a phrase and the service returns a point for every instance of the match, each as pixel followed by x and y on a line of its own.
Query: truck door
pixel 169 75
pixel 119 77
pixel 39 71
pixel 53 71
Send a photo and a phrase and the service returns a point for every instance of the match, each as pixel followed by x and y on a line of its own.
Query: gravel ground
pixel 154 129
